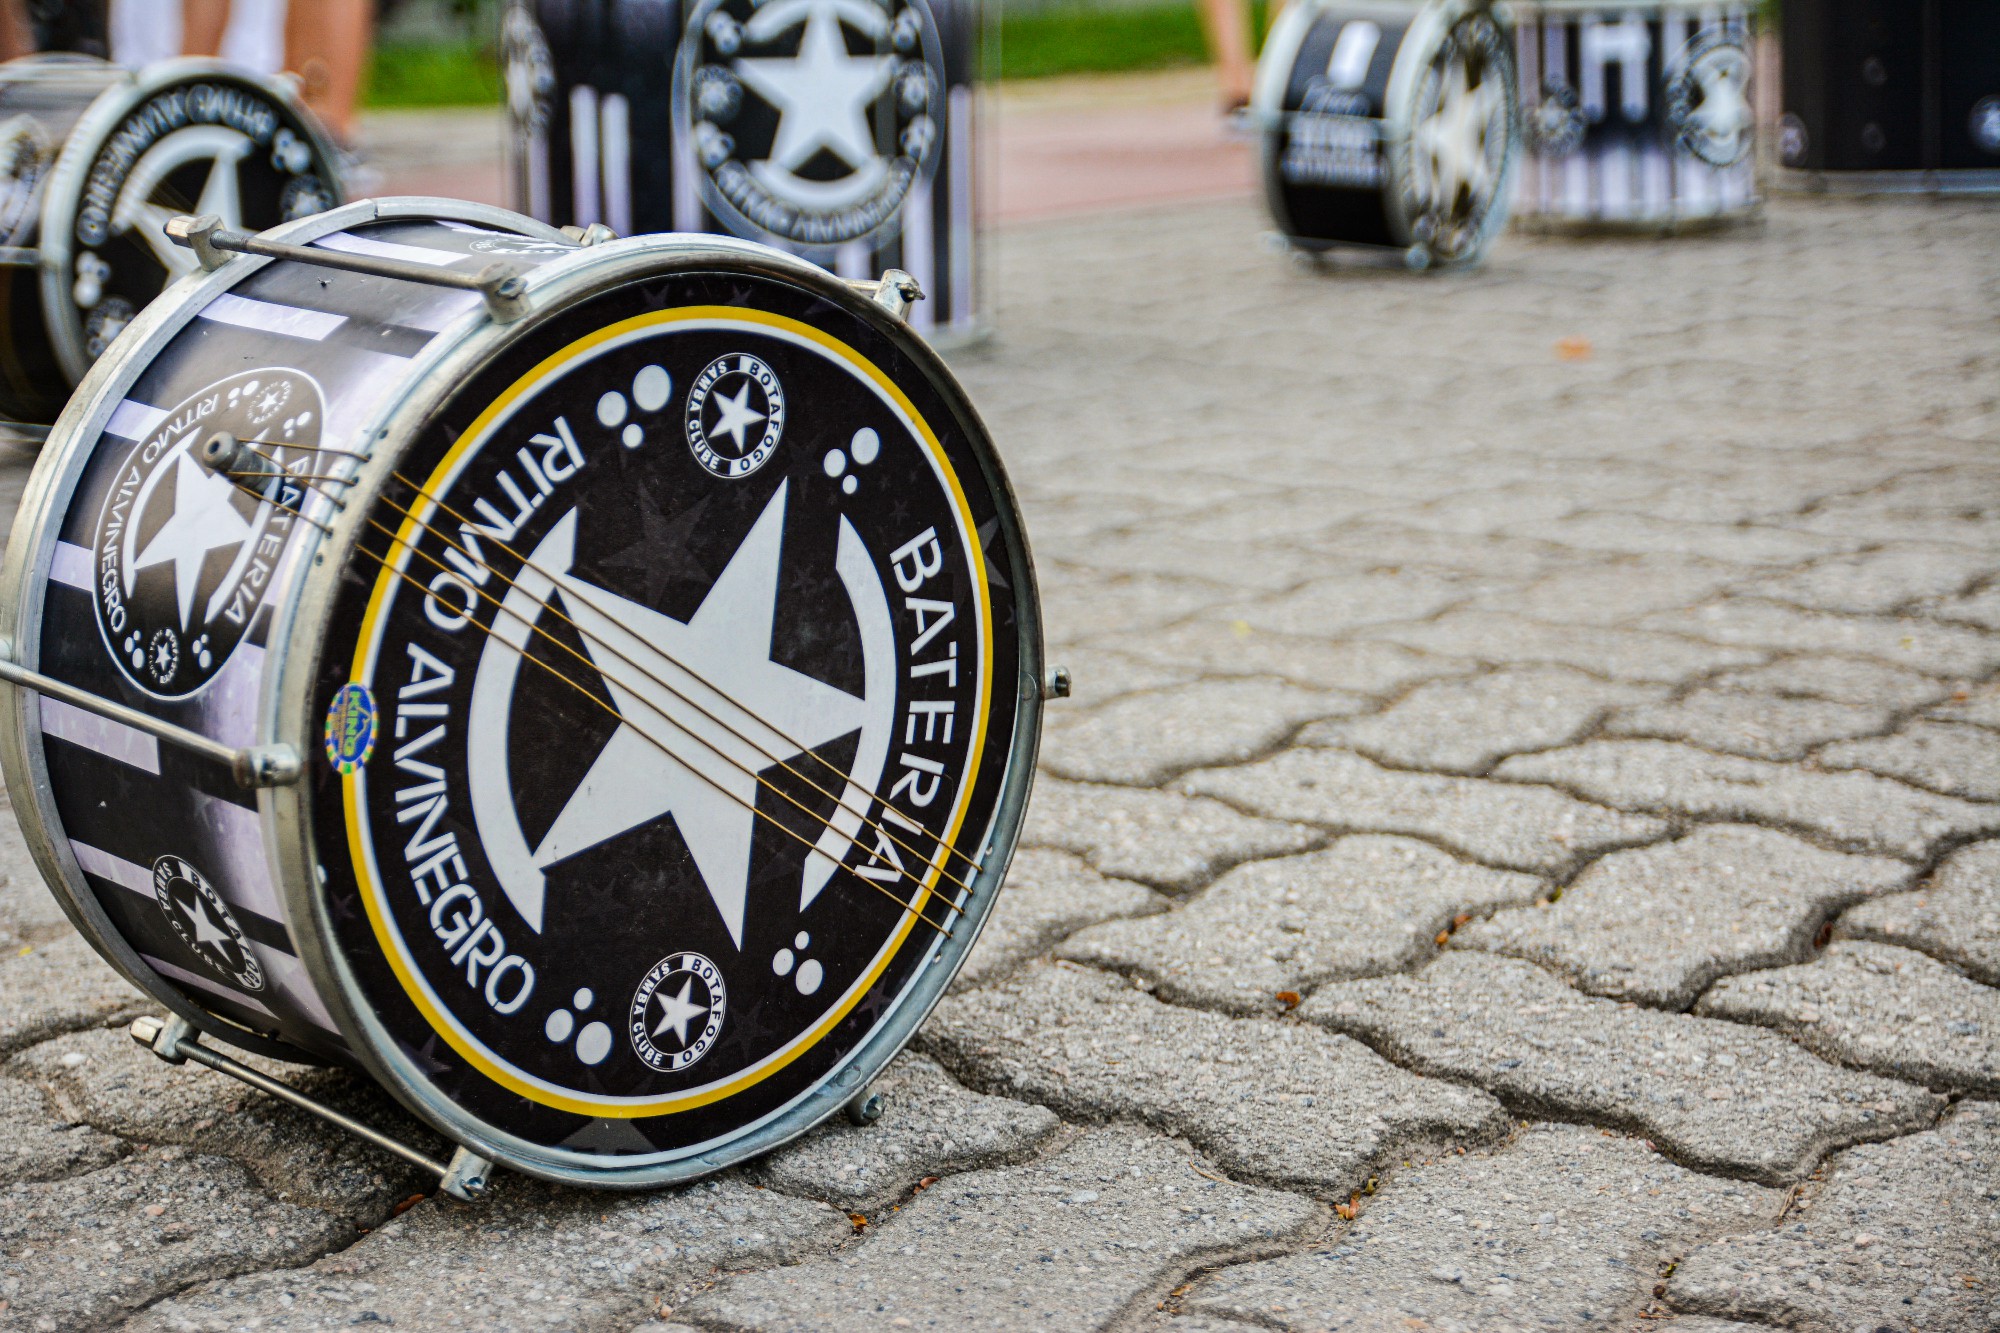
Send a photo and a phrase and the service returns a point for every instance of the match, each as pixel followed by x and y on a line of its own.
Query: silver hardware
pixel 19 256
pixel 259 766
pixel 502 287
pixel 1056 684
pixel 176 1041
pixel 595 234
pixel 865 1107
pixel 895 291
pixel 465 1176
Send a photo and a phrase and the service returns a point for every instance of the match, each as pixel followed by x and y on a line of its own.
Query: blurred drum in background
pixel 1636 113
pixel 93 160
pixel 844 131
pixel 1391 125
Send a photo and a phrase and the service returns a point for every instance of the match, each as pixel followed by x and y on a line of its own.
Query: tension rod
pixel 500 285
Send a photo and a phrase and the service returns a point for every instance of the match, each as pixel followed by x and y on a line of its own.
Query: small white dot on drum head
pixel 836 462
pixel 634 436
pixel 810 975
pixel 611 408
pixel 561 1023
pixel 849 485
pixel 781 962
pixel 866 444
pixel 593 1043
pixel 801 940
pixel 651 388
pixel 583 997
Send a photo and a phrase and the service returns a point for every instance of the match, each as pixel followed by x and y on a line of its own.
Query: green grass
pixel 1032 46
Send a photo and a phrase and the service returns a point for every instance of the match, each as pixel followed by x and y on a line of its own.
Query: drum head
pixel 185 137
pixel 670 719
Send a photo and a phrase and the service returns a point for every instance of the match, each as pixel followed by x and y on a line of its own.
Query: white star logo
pixel 205 518
pixel 822 95
pixel 737 415
pixel 138 211
pixel 674 686
pixel 1452 139
pixel 207 930
pixel 677 1011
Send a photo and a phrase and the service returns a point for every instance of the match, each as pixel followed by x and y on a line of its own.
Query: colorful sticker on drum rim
pixel 182 554
pixel 673 744
pixel 350 728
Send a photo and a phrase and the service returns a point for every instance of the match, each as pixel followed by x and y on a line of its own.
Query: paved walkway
pixel 1524 854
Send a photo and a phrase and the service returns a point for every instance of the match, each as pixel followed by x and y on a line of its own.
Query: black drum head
pixel 673 705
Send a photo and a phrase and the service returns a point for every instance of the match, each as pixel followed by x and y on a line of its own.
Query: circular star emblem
pixel 735 415
pixel 204 923
pixel 184 554
pixel 677 1012
pixel 1459 141
pixel 1708 98
pixel 811 120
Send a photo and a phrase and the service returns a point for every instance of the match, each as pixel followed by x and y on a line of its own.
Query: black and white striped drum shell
pixel 665 664
pixel 1636 113
pixel 711 116
pixel 93 159
pixel 1388 125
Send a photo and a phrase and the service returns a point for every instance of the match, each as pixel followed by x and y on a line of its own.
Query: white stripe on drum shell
pixel 134 420
pixel 583 155
pixel 285 320
pixel 236 837
pixel 199 982
pixel 960 300
pixel 125 874
pixel 615 134
pixel 71 566
pixel 348 243
pixel 287 975
pixel 686 189
pixel 851 260
pixel 919 252
pixel 113 740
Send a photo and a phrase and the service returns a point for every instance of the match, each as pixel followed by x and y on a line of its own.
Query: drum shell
pixel 602 141
pixel 1619 159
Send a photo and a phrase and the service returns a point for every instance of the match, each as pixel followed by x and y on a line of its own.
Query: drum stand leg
pixel 176 1041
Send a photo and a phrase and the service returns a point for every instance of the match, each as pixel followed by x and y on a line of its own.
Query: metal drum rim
pixel 63 191
pixel 288 699
pixel 24 576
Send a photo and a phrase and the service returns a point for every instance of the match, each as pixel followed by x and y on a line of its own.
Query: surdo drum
pixel 1388 125
pixel 591 688
pixel 1636 114
pixel 93 160
pixel 846 131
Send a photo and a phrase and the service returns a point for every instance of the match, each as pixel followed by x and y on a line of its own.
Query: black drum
pixel 93 160
pixel 1391 125
pixel 845 131
pixel 1882 96
pixel 592 688
pixel 1637 114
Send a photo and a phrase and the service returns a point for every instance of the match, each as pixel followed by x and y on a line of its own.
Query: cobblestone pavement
pixel 1524 852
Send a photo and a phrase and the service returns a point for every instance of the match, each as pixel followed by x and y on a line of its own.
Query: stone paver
pixel 36 1144
pixel 1978 704
pixel 1854 809
pixel 1144 739
pixel 49 989
pixel 1267 1101
pixel 1504 824
pixel 1757 726
pixel 532 1256
pixel 1717 1096
pixel 28 911
pixel 104 1079
pixel 1068 1242
pixel 1902 1236
pixel 1878 581
pixel 1877 1007
pixel 1615 653
pixel 1561 1227
pixel 1159 838
pixel 930 1127
pixel 1235 648
pixel 1955 916
pixel 1048 895
pixel 1981 608
pixel 1906 641
pixel 1365 905
pixel 1658 924
pixel 1334 605
pixel 1945 757
pixel 1463 726
pixel 1847 680
pixel 79 1252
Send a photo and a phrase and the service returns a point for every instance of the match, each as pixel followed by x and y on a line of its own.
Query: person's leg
pixel 1228 23
pixel 202 25
pixel 17 39
pixel 326 43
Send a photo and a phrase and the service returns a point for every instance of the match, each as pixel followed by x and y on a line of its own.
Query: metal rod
pixel 176 1040
pixel 500 284
pixel 258 766
pixel 19 256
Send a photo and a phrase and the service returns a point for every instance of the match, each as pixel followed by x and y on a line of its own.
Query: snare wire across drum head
pixel 656 644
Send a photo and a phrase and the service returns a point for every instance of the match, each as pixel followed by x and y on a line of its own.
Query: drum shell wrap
pixel 601 133
pixel 236 908
pixel 1599 91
